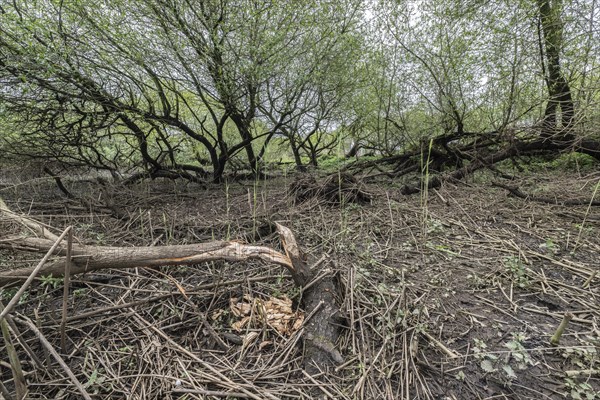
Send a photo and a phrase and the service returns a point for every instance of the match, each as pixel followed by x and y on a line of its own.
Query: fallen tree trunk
pixel 515 191
pixel 93 258
pixel 520 148
pixel 320 332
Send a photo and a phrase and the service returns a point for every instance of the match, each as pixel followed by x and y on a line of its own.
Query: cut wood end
pixel 288 240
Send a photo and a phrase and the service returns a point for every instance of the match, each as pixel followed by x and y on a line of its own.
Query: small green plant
pixel 294 292
pixel 581 390
pixel 481 353
pixel 476 281
pixel 7 294
pixel 550 247
pixel 79 292
pixel 517 271
pixel 352 206
pixel 50 281
pixel 574 162
pixel 434 226
pixel 100 238
pixel 584 357
pixel 95 381
pixel 24 297
pixel 332 162
pixel 518 354
pixel 517 357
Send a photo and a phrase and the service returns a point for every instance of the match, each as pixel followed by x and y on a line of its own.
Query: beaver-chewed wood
pixel 320 332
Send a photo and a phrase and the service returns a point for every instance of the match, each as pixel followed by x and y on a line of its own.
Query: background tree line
pixel 192 89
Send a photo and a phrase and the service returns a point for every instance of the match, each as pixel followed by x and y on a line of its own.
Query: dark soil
pixel 449 295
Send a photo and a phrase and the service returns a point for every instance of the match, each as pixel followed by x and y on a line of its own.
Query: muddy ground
pixel 453 294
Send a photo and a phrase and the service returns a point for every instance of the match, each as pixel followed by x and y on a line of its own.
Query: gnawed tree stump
pixel 320 332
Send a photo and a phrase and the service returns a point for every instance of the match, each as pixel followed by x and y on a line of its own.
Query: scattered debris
pixel 275 313
pixel 337 188
pixel 456 299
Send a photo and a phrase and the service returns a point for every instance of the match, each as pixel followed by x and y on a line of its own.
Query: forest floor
pixel 450 295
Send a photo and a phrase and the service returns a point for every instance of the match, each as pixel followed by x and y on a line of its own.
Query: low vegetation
pixel 295 200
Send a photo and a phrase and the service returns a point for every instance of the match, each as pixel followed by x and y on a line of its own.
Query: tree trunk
pixel 354 149
pixel 559 91
pixel 244 130
pixel 297 158
pixel 219 169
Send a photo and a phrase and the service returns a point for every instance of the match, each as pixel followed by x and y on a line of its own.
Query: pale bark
pixel 86 258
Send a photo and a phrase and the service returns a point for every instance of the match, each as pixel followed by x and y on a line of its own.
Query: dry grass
pixel 442 306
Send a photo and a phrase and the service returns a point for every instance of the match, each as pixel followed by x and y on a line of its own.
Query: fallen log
pixel 37 227
pixel 516 191
pixel 92 258
pixel 87 258
pixel 320 333
pixel 516 148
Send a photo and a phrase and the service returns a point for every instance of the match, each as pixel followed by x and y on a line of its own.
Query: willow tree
pixel 559 91
pixel 166 80
pixel 322 78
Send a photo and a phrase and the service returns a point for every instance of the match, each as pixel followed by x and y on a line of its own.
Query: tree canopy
pixel 191 89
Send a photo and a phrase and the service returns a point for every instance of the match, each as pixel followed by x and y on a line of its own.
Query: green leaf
pixel 509 371
pixel 487 366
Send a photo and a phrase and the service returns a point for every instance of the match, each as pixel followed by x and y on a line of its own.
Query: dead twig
pixel 33 274
pixel 26 321
pixel 63 322
pixel 15 364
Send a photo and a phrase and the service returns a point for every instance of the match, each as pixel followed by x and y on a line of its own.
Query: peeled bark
pixel 320 332
pixel 93 258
